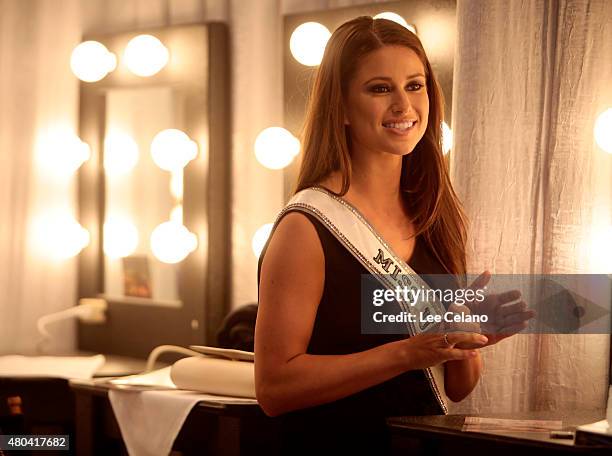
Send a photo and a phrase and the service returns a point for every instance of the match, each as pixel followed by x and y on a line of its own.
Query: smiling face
pixel 385 96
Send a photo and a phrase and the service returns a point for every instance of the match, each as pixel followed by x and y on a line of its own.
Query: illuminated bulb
pixel 120 153
pixel 260 238
pixel 396 18
pixel 73 238
pixel 276 147
pixel 145 55
pixel 176 214
pixel 171 242
pixel 59 235
pixel 172 149
pixel 81 153
pixel 91 61
pixel 62 153
pixel 120 238
pixel 76 153
pixel 603 130
pixel 308 43
pixel 176 184
pixel 447 138
pixel 601 250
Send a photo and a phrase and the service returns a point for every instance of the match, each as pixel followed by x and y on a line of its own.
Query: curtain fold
pixel 530 79
pixel 39 106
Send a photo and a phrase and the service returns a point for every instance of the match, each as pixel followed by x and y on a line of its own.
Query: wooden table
pixel 441 435
pixel 211 428
pixel 219 429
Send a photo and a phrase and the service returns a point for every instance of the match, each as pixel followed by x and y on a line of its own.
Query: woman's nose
pixel 401 103
pixel 397 109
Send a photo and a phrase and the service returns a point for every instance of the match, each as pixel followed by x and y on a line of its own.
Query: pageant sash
pixel 354 232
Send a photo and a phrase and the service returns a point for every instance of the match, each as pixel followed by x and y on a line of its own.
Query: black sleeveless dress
pixel 357 422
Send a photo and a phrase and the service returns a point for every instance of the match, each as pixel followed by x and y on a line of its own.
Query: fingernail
pixel 483 339
pixel 472 354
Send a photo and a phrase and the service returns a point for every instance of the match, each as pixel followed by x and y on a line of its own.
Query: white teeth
pixel 400 125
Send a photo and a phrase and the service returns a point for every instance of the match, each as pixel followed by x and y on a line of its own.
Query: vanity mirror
pixel 154 193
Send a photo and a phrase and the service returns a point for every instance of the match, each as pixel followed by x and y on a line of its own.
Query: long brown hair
pixel 429 196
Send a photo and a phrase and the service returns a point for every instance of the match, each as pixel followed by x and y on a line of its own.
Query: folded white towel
pixel 75 367
pixel 150 420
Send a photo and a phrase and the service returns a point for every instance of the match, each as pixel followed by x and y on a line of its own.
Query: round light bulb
pixel 145 55
pixel 260 238
pixel 171 242
pixel 74 238
pixel 62 153
pixel 601 250
pixel 120 237
pixel 120 153
pixel 603 130
pixel 91 61
pixel 81 153
pixel 276 147
pixel 447 138
pixel 308 43
pixel 61 236
pixel 75 153
pixel 71 237
pixel 172 149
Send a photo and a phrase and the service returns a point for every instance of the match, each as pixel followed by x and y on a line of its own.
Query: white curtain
pixel 530 79
pixel 38 110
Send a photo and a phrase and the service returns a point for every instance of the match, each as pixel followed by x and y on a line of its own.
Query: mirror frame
pixel 199 70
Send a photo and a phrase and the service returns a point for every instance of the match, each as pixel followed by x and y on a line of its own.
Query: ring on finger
pixel 446 341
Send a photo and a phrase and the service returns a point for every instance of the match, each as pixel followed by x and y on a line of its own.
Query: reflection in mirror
pixel 138 194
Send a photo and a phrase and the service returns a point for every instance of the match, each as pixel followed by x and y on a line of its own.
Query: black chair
pixel 238 329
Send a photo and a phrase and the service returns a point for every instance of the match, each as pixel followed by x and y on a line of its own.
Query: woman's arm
pixel 461 377
pixel 291 286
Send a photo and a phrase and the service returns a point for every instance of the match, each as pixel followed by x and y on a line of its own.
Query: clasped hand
pixel 499 319
pixel 459 341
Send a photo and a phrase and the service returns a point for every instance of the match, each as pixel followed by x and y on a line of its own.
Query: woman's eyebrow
pixel 384 78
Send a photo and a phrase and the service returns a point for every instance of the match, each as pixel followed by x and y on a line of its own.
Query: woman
pixel 372 137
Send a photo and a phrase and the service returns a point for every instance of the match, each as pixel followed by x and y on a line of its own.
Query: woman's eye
pixel 415 84
pixel 380 89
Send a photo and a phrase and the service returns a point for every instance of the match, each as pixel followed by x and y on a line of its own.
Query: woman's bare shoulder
pixel 292 276
pixel 295 235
